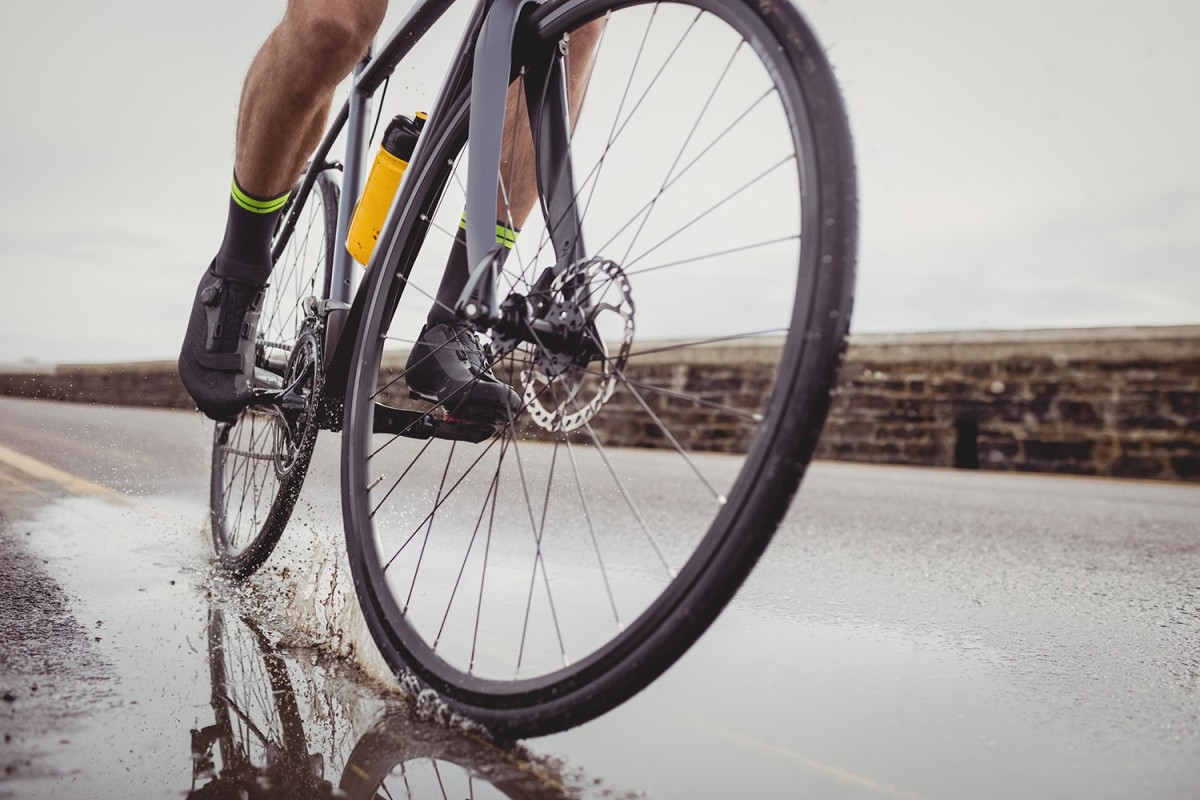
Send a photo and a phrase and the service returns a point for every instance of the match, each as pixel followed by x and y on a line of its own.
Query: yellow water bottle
pixel 390 162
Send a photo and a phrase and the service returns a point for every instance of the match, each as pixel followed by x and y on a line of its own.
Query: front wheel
pixel 541 576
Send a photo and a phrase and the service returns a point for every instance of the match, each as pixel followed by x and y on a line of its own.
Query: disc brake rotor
pixel 591 299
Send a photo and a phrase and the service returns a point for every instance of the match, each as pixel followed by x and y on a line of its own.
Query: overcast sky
pixel 1022 164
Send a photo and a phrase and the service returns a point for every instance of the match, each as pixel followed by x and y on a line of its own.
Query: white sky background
pixel 1021 164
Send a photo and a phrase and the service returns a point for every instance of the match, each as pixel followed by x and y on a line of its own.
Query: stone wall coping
pixel 1061 345
pixel 1159 343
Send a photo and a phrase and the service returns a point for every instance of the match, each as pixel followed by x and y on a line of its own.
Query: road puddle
pixel 284 727
pixel 214 690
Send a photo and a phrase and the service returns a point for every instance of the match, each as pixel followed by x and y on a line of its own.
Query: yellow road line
pixel 8 477
pixel 840 773
pixel 44 472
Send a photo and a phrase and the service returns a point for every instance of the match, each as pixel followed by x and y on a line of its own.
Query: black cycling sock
pixel 454 279
pixel 246 250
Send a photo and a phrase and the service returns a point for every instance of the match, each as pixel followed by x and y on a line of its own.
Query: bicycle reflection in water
pixel 262 746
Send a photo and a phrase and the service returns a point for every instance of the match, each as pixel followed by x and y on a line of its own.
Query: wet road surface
pixel 910 633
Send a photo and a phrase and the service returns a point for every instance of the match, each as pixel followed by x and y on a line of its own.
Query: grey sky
pixel 1021 163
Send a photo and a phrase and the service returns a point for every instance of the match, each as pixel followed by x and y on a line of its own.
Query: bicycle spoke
pixel 429 528
pixel 404 371
pixel 495 493
pixel 466 557
pixel 403 474
pixel 642 210
pixel 587 515
pixel 714 340
pixel 629 499
pixel 716 206
pixel 700 401
pixel 538 562
pixel 437 505
pixel 720 498
pixel 716 254
pixel 683 147
pixel 250 473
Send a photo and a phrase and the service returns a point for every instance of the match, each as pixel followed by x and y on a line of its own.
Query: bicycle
pixel 259 745
pixel 700 205
pixel 258 738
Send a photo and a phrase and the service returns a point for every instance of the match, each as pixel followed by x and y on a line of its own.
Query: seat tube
pixel 342 286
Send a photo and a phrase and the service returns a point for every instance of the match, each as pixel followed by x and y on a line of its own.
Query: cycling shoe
pixel 216 363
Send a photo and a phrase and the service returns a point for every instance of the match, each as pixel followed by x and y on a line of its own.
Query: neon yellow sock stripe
pixel 504 235
pixel 256 206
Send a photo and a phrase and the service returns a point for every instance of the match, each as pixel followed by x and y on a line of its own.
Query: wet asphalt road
pixel 910 633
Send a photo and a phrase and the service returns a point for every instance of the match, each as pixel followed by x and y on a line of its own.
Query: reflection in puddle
pixel 285 729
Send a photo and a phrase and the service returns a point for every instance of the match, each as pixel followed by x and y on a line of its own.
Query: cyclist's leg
pixel 290 85
pixel 284 104
pixel 447 364
pixel 518 191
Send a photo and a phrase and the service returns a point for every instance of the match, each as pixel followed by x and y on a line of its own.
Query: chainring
pixel 297 415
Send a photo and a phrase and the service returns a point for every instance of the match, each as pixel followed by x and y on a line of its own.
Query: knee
pixel 336 33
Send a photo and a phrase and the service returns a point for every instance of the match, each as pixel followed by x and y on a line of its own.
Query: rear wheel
pixel 252 697
pixel 259 460
pixel 536 578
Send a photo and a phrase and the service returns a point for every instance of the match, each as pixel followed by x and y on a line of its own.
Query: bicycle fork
pixel 504 38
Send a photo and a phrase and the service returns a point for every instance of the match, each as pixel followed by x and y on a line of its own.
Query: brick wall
pixel 1122 401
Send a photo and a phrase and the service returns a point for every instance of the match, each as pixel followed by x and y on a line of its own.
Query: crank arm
pixel 422 425
pixel 287 398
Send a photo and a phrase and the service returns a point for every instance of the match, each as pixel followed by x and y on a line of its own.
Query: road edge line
pixel 43 471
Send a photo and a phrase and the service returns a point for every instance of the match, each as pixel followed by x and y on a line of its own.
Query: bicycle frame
pixel 482 61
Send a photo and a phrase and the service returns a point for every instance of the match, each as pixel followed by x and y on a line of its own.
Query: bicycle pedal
pixel 266 379
pixel 464 431
pixel 420 425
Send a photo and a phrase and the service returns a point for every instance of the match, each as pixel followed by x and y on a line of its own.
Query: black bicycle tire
pixel 775 465
pixel 377 753
pixel 243 562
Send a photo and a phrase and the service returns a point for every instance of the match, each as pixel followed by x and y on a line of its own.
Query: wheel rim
pixel 609 533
